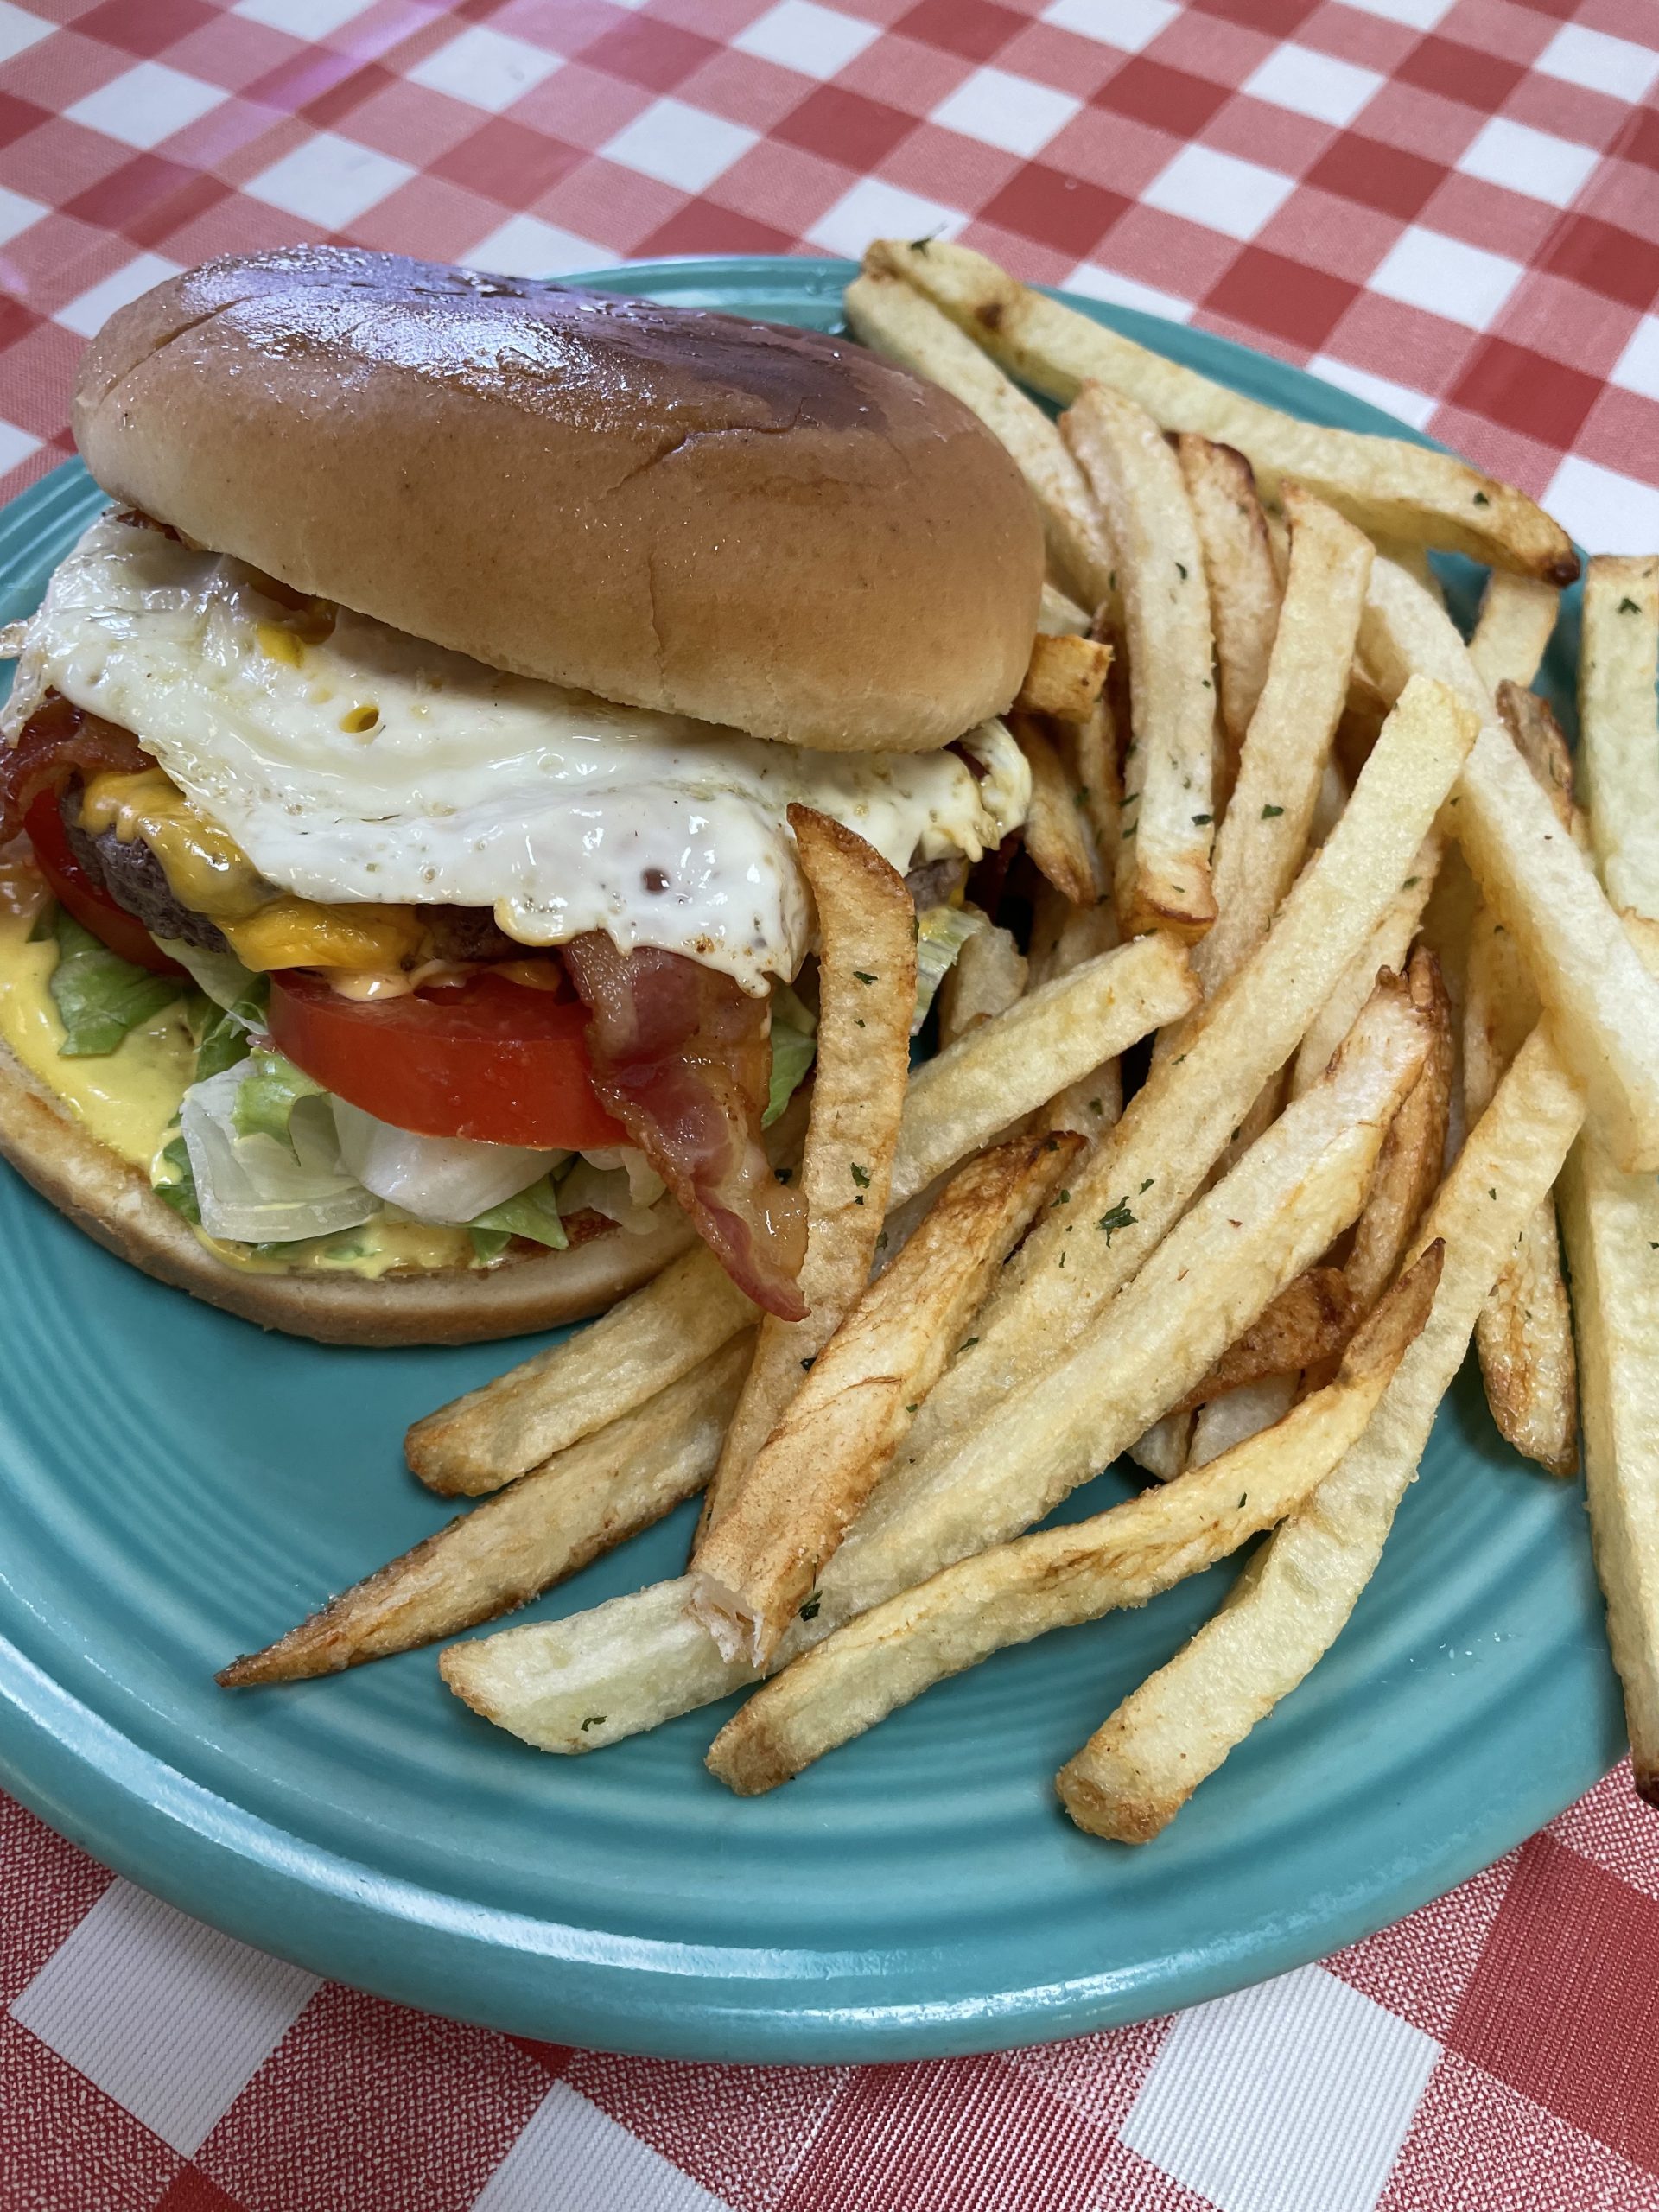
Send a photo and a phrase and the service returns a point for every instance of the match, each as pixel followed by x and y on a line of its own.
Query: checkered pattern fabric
pixel 1451 207
pixel 1496 2052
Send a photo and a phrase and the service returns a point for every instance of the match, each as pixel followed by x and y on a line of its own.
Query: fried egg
pixel 353 762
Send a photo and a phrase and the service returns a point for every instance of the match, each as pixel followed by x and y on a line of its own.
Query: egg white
pixel 470 788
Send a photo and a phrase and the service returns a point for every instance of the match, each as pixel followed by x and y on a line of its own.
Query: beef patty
pixel 135 879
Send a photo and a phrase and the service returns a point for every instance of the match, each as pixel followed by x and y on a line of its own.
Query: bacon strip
pixel 57 745
pixel 681 1057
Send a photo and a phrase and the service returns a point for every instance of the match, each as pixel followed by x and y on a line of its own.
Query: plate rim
pixel 224 1865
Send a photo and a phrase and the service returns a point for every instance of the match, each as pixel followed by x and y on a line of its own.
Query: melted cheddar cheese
pixel 208 872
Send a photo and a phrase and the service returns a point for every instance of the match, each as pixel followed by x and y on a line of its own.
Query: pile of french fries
pixel 1323 860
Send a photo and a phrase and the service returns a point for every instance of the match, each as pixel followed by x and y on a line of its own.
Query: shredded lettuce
pixel 179 1192
pixel 261 1184
pixel 794 1044
pixel 452 1180
pixel 271 1088
pixel 223 977
pixel 100 998
pixel 941 932
pixel 533 1213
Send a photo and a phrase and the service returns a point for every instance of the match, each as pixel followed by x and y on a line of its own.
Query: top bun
pixel 750 524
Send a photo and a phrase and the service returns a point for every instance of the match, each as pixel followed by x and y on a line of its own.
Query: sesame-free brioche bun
pixel 110 1199
pixel 750 524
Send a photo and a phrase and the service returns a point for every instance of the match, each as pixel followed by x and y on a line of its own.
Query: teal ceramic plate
pixel 175 1488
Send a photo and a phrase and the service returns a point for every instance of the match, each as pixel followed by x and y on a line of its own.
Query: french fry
pixel 1261 842
pixel 1064 678
pixel 1064 1576
pixel 1541 743
pixel 1610 1220
pixel 587 1498
pixel 1163 852
pixel 1063 936
pixel 811 1479
pixel 891 319
pixel 1147 1171
pixel 985 980
pixel 867 992
pixel 1060 617
pixel 1243 1412
pixel 665 1330
pixel 1386 947
pixel 1311 1320
pixel 577 1684
pixel 1383 485
pixel 1092 749
pixel 1525 1335
pixel 1243 582
pixel 1138 1770
pixel 1161 1447
pixel 1409 1171
pixel 1328 807
pixel 1009 1066
pixel 1056 832
pixel 1517 619
pixel 1602 1004
pixel 1619 754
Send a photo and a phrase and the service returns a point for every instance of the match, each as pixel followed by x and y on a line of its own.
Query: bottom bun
pixel 109 1198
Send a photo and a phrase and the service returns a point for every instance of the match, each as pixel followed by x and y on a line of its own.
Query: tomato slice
pixel 487 1059
pixel 85 898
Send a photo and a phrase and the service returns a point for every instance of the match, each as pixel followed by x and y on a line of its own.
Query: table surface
pixel 1451 207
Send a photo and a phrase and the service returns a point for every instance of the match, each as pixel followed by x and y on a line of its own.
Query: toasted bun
pixel 753 526
pixel 114 1203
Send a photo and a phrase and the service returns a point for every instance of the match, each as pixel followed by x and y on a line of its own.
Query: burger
pixel 401 935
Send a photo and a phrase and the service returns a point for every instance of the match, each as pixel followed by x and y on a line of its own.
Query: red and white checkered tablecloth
pixel 1449 206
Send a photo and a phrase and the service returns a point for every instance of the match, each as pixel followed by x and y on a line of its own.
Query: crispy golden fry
pixel 811 1479
pixel 1137 1771
pixel 1009 1066
pixel 1060 617
pixel 1610 1221
pixel 1383 484
pixel 866 994
pixel 577 1684
pixel 1409 1171
pixel 1064 1576
pixel 1056 832
pixel 1539 742
pixel 1176 1126
pixel 1620 755
pixel 1243 1412
pixel 1311 1320
pixel 986 980
pixel 891 319
pixel 1064 678
pixel 1604 1006
pixel 1517 618
pixel 588 1498
pixel 521 1419
pixel 1163 851
pixel 1259 845
pixel 1524 1336
pixel 1243 582
pixel 1386 947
